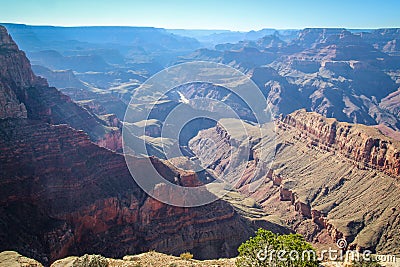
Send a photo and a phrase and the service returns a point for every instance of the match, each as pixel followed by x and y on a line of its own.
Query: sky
pixel 237 15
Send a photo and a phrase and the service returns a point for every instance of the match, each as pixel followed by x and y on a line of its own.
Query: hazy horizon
pixel 206 15
pixel 187 29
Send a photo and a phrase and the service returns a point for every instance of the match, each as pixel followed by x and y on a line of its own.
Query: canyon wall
pixel 362 144
pixel 327 180
pixel 25 95
pixel 61 194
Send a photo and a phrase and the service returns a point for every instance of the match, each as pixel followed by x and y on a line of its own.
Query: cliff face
pixel 334 72
pixel 23 94
pixel 10 105
pixel 362 144
pixel 328 179
pixel 18 67
pixel 65 195
pixel 62 194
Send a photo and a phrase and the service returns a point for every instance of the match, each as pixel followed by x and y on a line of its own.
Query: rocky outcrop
pixel 13 75
pixel 15 66
pixel 361 144
pixel 112 140
pixel 12 258
pixel 328 180
pixel 337 73
pixel 81 198
pixel 151 258
pixel 62 194
pixel 26 95
pixel 10 107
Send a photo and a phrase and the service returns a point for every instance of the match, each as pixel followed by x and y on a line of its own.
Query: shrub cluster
pixel 90 261
pixel 269 249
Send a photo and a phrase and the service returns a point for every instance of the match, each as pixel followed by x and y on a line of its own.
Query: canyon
pixel 338 73
pixel 62 194
pixel 328 180
pixel 350 75
pixel 326 166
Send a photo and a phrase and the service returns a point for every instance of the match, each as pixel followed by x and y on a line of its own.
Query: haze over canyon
pixel 314 149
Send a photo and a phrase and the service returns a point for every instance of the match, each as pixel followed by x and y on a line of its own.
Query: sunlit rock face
pixel 62 194
pixel 328 179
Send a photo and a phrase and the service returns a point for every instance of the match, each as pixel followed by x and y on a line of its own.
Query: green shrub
pixel 90 261
pixel 269 249
pixel 186 256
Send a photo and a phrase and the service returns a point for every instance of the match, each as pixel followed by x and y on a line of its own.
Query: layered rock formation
pixel 386 40
pixel 61 194
pixel 328 179
pixel 328 71
pixel 10 105
pixel 334 72
pixel 362 144
pixel 22 90
pixel 65 195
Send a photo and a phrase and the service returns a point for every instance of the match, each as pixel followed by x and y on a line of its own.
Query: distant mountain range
pixel 214 37
pixel 334 139
pixel 353 77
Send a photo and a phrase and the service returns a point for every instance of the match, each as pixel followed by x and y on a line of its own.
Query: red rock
pixel 62 194
pixel 303 209
pixel 87 201
pixel 285 194
pixel 362 144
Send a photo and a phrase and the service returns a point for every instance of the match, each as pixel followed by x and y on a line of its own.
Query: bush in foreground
pixel 90 261
pixel 269 249
pixel 186 256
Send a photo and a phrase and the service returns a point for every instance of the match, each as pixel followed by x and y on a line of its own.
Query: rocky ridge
pixel 359 143
pixel 328 180
pixel 62 194
pixel 25 95
pixel 337 73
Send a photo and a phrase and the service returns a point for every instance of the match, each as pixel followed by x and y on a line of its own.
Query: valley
pixel 293 131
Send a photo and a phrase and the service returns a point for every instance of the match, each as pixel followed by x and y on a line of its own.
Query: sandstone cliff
pixel 327 180
pixel 23 94
pixel 62 194
pixel 359 143
pixel 65 195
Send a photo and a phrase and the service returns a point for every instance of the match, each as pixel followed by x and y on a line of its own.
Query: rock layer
pixel 24 95
pixel 328 180
pixel 362 144
pixel 335 72
pixel 62 194
pixel 65 195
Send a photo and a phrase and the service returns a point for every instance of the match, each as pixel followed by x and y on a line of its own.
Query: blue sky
pixel 205 14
